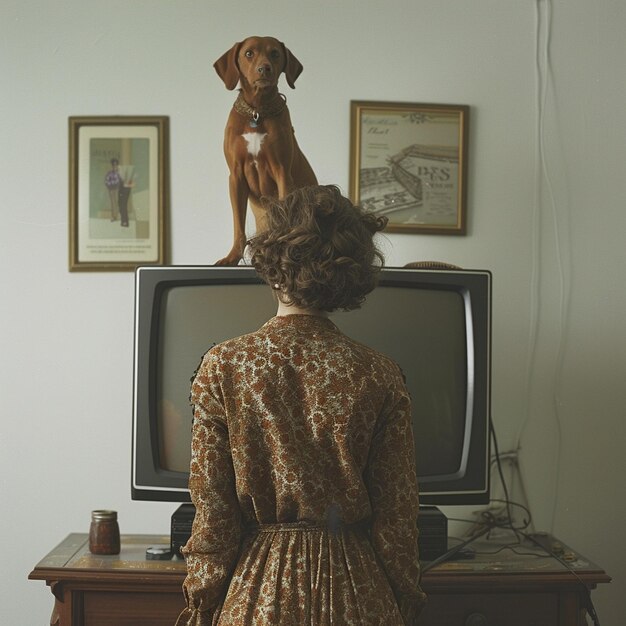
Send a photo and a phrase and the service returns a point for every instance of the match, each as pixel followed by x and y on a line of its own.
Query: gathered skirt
pixel 290 575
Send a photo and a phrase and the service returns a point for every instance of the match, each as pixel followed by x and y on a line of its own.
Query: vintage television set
pixel 435 323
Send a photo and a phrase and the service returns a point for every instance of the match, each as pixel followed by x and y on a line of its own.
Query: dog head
pixel 257 62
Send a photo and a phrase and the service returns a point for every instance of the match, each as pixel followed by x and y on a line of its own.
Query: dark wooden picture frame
pixel 117 192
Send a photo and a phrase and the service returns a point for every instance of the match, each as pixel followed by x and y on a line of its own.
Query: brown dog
pixel 260 146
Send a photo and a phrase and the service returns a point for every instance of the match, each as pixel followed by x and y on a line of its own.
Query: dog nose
pixel 266 68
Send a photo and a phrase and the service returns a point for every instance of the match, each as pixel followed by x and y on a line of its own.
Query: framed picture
pixel 409 163
pixel 118 192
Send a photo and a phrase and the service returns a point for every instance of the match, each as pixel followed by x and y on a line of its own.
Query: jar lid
pixel 103 514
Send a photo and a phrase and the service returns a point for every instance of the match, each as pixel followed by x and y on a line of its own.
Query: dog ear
pixel 227 68
pixel 293 68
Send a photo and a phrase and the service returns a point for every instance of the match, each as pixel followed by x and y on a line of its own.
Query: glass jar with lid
pixel 104 532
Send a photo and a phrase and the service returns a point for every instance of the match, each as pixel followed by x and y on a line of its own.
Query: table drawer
pixel 113 608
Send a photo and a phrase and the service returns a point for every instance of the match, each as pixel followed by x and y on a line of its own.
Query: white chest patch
pixel 254 141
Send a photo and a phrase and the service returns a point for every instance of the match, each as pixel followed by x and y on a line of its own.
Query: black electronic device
pixel 436 324
pixel 433 533
pixel 182 520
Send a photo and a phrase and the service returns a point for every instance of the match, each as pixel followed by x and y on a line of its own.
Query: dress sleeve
pixel 392 485
pixel 213 547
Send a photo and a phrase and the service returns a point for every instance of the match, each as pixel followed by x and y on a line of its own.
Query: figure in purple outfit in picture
pixel 113 182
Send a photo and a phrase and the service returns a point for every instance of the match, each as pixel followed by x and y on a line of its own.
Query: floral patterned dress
pixel 303 478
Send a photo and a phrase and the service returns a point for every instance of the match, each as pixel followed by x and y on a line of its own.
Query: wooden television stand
pixel 490 586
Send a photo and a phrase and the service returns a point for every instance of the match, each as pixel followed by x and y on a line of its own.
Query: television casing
pixel 471 288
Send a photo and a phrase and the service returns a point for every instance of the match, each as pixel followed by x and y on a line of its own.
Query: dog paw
pixel 231 259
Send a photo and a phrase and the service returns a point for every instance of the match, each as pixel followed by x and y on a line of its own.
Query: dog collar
pixel 272 109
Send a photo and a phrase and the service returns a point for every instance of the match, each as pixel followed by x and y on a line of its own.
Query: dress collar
pixel 301 320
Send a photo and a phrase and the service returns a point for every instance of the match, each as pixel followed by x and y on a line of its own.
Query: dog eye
pixel 274 54
pixel 249 54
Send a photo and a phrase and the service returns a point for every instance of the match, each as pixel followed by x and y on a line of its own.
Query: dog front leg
pixel 239 192
pixel 284 181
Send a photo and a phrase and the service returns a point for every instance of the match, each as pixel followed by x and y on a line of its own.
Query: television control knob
pixel 476 619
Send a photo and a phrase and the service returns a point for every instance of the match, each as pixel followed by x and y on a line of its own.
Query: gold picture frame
pixel 409 163
pixel 117 192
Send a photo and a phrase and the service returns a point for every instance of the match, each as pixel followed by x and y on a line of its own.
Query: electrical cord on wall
pixel 560 222
pixel 563 276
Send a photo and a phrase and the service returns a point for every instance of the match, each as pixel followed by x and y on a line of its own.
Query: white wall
pixel 556 251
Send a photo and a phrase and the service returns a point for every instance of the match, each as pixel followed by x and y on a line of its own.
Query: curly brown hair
pixel 317 250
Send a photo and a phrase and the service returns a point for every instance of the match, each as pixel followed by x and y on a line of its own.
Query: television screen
pixel 434 323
